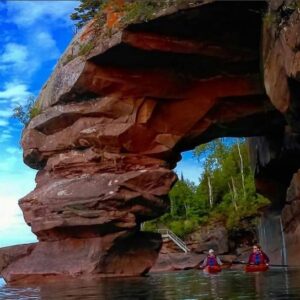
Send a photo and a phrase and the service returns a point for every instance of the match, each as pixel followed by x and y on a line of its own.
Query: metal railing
pixel 166 233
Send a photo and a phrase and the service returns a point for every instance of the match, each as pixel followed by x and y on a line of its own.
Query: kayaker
pixel 258 257
pixel 211 260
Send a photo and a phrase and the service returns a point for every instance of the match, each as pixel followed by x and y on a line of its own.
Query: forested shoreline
pixel 225 192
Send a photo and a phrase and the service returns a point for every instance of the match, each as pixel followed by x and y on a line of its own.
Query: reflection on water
pixel 274 284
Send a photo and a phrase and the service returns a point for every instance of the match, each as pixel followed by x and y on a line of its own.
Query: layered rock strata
pixel 291 220
pixel 276 156
pixel 113 123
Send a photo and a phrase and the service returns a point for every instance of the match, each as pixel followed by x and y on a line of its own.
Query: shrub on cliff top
pixel 86 11
pixel 24 113
pixel 127 10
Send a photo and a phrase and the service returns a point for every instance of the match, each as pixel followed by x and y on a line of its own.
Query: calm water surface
pixel 188 285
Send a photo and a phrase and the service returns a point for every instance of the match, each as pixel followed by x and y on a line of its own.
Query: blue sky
pixel 33 36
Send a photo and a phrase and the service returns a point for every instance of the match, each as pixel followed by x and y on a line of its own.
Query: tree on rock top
pixel 86 11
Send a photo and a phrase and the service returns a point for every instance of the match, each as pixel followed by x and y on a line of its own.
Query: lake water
pixel 185 285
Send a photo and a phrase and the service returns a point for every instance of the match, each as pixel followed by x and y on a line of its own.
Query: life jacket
pixel 257 258
pixel 212 261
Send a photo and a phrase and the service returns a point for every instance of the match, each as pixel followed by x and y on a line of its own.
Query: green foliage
pixel 150 226
pixel 233 199
pixel 26 112
pixel 292 5
pixel 183 227
pixel 133 10
pixel 142 10
pixel 271 18
pixel 181 198
pixel 85 49
pixel 68 58
pixel 86 11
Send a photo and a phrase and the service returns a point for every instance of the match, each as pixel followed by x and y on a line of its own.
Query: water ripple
pixel 277 284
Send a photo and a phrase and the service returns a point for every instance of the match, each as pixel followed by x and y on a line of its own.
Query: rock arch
pixel 115 120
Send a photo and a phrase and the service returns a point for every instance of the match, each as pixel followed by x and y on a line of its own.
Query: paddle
pixel 270 265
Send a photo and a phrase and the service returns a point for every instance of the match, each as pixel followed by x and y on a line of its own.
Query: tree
pixel 127 10
pixel 228 176
pixel 26 112
pixel 242 167
pixel 226 191
pixel 86 11
pixel 182 198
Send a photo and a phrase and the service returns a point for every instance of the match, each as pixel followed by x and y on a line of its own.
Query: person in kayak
pixel 258 257
pixel 211 260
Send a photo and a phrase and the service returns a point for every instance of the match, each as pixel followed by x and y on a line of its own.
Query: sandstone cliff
pixel 120 108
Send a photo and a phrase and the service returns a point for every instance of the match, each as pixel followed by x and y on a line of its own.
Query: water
pixel 186 285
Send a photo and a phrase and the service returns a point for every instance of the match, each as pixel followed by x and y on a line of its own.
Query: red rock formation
pixel 118 254
pixel 213 236
pixel 291 220
pixel 167 262
pixel 114 122
pixel 276 156
pixel 11 254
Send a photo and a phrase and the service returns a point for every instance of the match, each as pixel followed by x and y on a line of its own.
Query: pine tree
pixel 86 11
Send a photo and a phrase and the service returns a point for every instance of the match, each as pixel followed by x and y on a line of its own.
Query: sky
pixel 33 36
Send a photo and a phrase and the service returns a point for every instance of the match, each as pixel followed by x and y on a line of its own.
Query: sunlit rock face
pixel 114 122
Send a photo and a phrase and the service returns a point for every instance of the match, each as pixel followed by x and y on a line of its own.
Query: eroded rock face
pixel 213 236
pixel 276 156
pixel 291 220
pixel 167 262
pixel 114 122
pixel 119 254
pixel 109 202
pixel 13 253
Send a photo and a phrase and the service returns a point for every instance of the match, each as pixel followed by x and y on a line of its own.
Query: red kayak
pixel 256 268
pixel 212 269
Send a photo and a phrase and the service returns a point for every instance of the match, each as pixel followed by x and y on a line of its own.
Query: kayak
pixel 256 268
pixel 212 269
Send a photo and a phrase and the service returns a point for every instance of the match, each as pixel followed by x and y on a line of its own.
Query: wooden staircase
pixel 169 235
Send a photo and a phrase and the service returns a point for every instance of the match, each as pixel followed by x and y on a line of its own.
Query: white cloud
pixel 44 47
pixel 8 164
pixel 13 229
pixel 13 186
pixel 5 137
pixel 14 54
pixel 17 59
pixel 3 122
pixel 13 150
pixel 27 13
pixel 45 40
pixel 7 130
pixel 6 113
pixel 14 92
pixel 23 54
